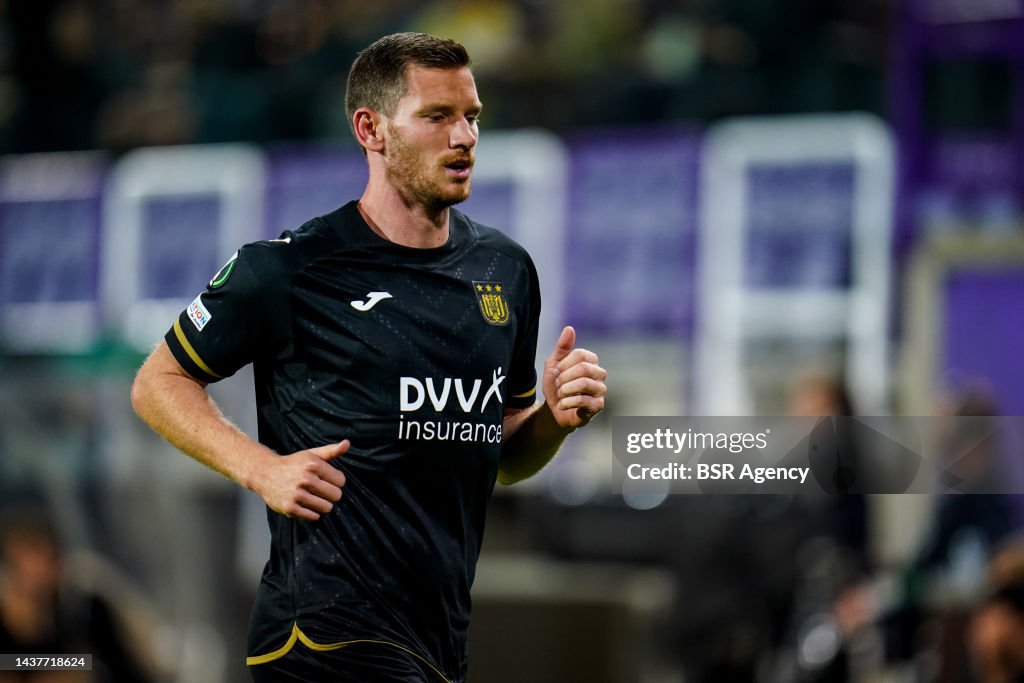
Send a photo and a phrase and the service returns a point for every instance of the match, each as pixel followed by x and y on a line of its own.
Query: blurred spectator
pixel 821 395
pixel 77 74
pixel 43 611
pixel 947 571
pixel 996 634
pixel 839 558
pixel 978 520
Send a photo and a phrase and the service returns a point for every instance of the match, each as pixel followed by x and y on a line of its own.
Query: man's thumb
pixel 564 345
pixel 331 450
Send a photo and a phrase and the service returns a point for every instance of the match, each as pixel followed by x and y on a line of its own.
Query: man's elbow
pixel 149 381
pixel 140 392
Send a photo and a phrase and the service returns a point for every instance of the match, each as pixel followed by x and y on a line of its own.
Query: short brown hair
pixel 377 77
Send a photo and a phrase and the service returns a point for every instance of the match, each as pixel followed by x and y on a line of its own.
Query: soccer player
pixel 393 344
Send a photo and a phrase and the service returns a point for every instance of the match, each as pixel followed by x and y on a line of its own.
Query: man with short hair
pixel 393 344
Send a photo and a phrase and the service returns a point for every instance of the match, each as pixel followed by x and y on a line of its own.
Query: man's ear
pixel 369 127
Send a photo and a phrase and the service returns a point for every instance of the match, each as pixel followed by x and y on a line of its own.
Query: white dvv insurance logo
pixel 414 392
pixel 449 394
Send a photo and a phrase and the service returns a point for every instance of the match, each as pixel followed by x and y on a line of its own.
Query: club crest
pixel 493 302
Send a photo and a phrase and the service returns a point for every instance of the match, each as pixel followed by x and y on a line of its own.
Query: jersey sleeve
pixel 241 316
pixel 523 375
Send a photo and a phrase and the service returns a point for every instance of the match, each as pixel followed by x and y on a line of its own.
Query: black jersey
pixel 413 355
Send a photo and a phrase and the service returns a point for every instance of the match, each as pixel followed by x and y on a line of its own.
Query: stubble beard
pixel 417 178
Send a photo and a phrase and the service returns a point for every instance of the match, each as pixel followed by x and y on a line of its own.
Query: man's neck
pixel 396 220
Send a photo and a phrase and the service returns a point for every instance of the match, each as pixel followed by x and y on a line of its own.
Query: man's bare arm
pixel 176 405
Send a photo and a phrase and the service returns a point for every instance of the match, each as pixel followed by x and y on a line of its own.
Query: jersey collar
pixel 350 225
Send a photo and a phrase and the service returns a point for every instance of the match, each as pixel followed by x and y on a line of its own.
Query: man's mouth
pixel 459 168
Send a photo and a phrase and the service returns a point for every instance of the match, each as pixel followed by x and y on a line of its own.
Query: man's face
pixel 34 563
pixel 429 149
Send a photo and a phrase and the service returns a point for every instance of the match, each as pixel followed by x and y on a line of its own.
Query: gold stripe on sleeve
pixel 183 340
pixel 527 394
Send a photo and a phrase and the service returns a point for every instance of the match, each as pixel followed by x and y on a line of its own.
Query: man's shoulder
pixel 492 238
pixel 316 233
pixel 293 249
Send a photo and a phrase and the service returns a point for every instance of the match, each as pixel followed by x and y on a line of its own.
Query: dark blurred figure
pixel 996 635
pixel 42 613
pixel 820 395
pixel 834 562
pixel 967 526
pixel 923 620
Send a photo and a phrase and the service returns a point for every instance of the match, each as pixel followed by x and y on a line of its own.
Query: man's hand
pixel 303 484
pixel 573 383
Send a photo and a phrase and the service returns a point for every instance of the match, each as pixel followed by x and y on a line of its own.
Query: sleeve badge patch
pixel 493 302
pixel 224 273
pixel 198 314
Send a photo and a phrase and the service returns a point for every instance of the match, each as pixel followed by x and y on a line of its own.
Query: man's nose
pixel 464 134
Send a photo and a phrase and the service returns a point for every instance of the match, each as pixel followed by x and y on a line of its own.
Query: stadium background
pixel 723 196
